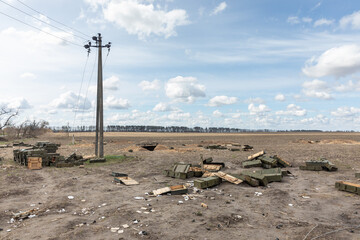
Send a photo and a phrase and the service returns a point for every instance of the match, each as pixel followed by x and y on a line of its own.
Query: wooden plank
pixel 212 167
pixel 126 180
pixel 228 178
pixel 256 155
pixel 161 191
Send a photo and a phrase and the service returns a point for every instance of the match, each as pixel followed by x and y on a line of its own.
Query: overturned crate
pixel 348 187
pixel 319 165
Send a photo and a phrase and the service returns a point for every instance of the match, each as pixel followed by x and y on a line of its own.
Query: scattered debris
pixel 348 187
pixel 70 197
pixel 114 229
pixel 24 215
pixel 319 165
pixel 204 205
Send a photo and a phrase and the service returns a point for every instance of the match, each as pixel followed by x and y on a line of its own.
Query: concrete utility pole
pixel 99 138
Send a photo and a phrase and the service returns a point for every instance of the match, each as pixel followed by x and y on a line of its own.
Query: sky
pixel 253 64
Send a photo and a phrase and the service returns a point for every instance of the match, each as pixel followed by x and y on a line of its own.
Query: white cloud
pixel 147 85
pixel 350 86
pixel 221 100
pixel 280 97
pixel 345 112
pixel 70 100
pixel 292 110
pixel 254 100
pixel 352 20
pixel 28 75
pixel 318 121
pixel 323 21
pixel 111 83
pixel 293 20
pixel 317 89
pixel 164 107
pixel 116 103
pixel 16 103
pixel 217 113
pixel 184 89
pixel 297 20
pixel 338 61
pixel 143 19
pixel 221 7
pixel 255 110
pixel 178 116
pixel 306 19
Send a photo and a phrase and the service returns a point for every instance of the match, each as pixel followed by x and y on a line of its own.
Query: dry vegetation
pixel 234 211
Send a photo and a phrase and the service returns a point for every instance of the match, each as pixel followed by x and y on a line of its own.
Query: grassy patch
pixel 110 159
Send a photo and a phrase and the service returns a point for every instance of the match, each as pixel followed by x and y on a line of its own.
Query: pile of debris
pixel 210 174
pixel 44 154
pixel 319 165
pixel 260 159
pixel 44 150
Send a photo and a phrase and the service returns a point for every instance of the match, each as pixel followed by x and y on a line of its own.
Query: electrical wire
pixel 82 80
pixel 53 19
pixel 87 89
pixel 38 19
pixel 65 40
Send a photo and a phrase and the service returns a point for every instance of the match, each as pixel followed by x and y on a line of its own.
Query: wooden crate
pixel 34 163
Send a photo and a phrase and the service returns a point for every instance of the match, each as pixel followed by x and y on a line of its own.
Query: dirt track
pixel 234 211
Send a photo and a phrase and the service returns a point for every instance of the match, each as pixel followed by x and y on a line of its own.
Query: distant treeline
pixel 177 129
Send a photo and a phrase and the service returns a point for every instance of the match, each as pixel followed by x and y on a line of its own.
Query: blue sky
pixel 242 64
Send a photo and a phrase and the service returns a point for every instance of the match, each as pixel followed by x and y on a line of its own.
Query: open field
pixel 234 211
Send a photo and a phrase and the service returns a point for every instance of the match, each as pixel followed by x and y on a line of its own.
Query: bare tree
pixel 6 116
pixel 32 128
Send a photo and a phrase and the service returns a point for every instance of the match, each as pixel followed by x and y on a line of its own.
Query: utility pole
pixel 99 137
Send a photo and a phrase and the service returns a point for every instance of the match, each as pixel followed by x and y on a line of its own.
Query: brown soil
pixel 234 211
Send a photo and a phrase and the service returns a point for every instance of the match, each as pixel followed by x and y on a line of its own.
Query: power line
pixel 82 80
pixel 53 19
pixel 65 40
pixel 38 19
pixel 87 90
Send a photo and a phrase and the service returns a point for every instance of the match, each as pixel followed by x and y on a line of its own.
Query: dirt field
pixel 234 211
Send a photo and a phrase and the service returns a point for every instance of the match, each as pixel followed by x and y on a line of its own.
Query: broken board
pixel 126 180
pixel 256 155
pixel 228 178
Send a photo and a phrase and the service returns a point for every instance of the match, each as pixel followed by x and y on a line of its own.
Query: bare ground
pixel 234 212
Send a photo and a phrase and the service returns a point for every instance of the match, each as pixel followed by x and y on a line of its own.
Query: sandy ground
pixel 234 211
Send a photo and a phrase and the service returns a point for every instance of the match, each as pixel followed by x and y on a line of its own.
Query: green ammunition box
pixel 357 175
pixel 311 168
pixel 207 182
pixel 268 160
pixel 250 164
